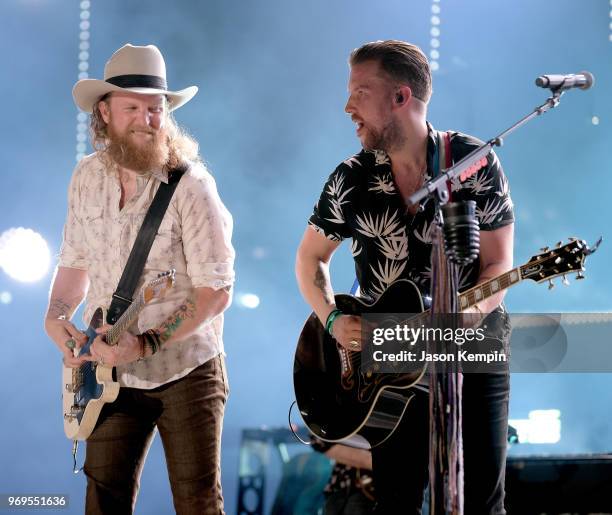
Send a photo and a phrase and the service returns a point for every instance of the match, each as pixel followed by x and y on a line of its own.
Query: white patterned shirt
pixel 194 238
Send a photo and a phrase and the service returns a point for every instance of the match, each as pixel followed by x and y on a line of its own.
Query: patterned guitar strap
pixel 445 379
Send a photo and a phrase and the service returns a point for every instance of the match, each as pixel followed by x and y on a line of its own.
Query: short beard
pixel 386 140
pixel 141 158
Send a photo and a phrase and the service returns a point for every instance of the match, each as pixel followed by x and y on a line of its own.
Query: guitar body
pixel 340 401
pixel 343 401
pixel 85 390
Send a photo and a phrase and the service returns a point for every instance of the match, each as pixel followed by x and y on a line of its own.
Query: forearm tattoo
pixel 322 283
pixel 60 308
pixel 185 311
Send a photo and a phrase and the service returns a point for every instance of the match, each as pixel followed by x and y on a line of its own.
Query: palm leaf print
pixel 337 195
pixel 376 226
pixel 382 184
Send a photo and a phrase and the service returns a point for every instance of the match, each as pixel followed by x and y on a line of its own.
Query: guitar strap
pixel 443 157
pixel 122 298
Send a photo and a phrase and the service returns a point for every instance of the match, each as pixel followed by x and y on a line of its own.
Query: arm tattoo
pixel 60 308
pixel 321 282
pixel 186 310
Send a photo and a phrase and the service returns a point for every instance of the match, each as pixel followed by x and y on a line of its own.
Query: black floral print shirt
pixel 361 201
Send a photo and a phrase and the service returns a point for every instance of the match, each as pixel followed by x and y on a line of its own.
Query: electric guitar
pixel 87 388
pixel 342 400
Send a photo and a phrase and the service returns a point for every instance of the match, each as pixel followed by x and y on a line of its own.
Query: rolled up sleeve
pixel 206 231
pixel 72 252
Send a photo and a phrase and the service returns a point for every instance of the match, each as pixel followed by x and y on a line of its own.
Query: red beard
pixel 142 156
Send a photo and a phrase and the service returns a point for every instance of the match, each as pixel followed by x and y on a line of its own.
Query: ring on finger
pixel 354 344
pixel 70 343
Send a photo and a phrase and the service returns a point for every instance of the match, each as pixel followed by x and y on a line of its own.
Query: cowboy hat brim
pixel 87 92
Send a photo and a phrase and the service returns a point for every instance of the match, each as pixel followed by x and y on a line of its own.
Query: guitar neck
pixel 125 321
pixel 490 287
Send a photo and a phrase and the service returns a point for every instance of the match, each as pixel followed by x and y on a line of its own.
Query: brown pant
pixel 189 415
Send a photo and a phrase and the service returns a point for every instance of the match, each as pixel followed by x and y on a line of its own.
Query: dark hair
pixel 403 62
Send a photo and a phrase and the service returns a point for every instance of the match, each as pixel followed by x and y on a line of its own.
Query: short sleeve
pixel 206 231
pixel 488 187
pixel 494 207
pixel 328 216
pixel 72 252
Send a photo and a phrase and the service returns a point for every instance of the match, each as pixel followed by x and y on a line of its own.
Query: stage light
pixel 248 300
pixel 24 254
pixel 6 297
pixel 595 120
pixel 83 67
pixel 434 42
pixel 542 427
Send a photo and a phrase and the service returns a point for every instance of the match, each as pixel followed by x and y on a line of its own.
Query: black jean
pixel 348 501
pixel 401 463
pixel 188 414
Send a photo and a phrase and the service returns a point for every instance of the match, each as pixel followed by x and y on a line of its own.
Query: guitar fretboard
pixel 475 294
pixel 125 320
pixel 484 290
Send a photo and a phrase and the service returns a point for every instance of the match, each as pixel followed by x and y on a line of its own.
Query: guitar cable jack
pixel 75 448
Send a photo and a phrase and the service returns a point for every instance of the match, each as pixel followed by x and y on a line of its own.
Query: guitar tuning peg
pixel 544 249
pixel 559 243
pixel 565 281
pixel 551 285
pixel 579 275
pixel 572 238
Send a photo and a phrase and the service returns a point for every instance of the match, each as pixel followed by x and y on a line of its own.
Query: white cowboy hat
pixel 139 69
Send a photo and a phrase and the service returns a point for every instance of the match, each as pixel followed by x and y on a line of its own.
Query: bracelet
pixel 330 320
pixel 152 338
pixel 141 340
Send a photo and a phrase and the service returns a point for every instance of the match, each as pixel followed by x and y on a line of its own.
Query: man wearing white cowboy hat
pixel 170 363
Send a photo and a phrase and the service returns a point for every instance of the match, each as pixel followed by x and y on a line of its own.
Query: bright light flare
pixel 542 426
pixel 24 254
pixel 248 300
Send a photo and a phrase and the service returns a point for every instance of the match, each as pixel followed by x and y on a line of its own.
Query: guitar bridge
pixel 75 410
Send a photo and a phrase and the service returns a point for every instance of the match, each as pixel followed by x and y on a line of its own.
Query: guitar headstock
pixel 559 261
pixel 157 288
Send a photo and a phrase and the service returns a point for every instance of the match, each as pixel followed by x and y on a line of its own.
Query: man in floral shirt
pixel 170 363
pixel 364 199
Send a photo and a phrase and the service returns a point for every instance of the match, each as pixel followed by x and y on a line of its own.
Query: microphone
pixel 582 80
pixel 461 232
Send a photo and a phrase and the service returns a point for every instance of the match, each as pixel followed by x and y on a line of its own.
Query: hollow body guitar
pixel 342 401
pixel 86 389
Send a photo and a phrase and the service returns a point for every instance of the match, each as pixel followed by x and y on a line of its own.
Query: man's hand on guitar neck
pixel 129 348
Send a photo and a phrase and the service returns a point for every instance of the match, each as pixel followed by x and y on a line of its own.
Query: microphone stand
pixel 436 187
pixel 445 384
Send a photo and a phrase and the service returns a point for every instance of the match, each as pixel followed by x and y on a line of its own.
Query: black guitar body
pixel 341 401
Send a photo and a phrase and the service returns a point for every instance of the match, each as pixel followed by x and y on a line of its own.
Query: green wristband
pixel 331 319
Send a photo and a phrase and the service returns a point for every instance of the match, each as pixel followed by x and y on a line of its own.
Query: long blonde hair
pixel 182 147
